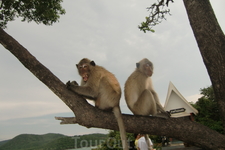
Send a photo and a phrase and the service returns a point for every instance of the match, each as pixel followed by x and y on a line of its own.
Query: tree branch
pixel 211 42
pixel 67 120
pixel 180 128
pixel 157 14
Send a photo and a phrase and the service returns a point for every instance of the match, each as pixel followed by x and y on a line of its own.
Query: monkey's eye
pixel 147 65
pixel 83 66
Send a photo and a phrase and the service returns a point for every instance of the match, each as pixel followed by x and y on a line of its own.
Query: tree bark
pixel 211 42
pixel 180 128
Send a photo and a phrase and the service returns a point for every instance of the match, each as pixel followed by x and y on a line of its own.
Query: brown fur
pixel 102 87
pixel 140 95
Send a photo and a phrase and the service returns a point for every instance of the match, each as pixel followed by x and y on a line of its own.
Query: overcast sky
pixel 106 32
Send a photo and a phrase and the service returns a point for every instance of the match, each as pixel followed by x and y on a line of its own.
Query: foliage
pixel 3 142
pixel 29 141
pixel 50 142
pixel 208 111
pixel 113 141
pixel 40 11
pixel 155 138
pixel 157 14
pixel 145 26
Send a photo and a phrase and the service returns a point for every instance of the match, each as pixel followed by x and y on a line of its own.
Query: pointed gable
pixel 176 104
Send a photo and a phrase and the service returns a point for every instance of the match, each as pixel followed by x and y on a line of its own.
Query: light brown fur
pixel 140 95
pixel 102 87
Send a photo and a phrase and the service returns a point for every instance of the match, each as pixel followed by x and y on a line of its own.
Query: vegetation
pixel 51 142
pixel 40 11
pixel 208 109
pixel 3 142
pixel 157 14
pixel 113 141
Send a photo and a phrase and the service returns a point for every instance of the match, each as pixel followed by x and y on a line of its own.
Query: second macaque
pixel 140 95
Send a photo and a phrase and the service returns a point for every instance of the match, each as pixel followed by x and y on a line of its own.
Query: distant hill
pixel 3 142
pixel 51 141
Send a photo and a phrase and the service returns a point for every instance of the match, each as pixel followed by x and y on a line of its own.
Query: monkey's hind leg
pixel 161 112
pixel 145 105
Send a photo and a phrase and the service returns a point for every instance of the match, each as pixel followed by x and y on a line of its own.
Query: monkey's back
pixel 134 86
pixel 109 89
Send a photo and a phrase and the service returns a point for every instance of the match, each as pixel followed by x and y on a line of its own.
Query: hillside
pixel 3 142
pixel 51 142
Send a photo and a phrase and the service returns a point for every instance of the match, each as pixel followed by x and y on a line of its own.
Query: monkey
pixel 101 86
pixel 140 95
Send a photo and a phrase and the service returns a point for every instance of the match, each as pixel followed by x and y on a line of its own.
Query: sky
pixel 106 32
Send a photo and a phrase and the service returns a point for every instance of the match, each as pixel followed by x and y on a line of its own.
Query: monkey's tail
pixel 118 115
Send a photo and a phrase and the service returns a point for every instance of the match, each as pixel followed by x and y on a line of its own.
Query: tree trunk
pixel 180 128
pixel 211 43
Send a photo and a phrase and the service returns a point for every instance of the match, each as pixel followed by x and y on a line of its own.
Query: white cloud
pixel 194 98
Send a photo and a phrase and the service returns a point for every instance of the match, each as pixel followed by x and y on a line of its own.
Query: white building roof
pixel 176 104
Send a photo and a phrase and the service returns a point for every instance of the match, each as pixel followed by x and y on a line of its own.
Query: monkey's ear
pixel 92 63
pixel 77 66
pixel 137 65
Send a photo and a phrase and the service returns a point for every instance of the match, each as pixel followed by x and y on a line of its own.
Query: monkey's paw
pixel 68 85
pixel 74 83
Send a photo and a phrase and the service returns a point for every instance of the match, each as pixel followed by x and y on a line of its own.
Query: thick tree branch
pixel 181 128
pixel 211 42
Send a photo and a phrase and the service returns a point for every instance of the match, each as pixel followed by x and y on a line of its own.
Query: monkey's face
pixel 84 68
pixel 148 69
pixel 84 71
